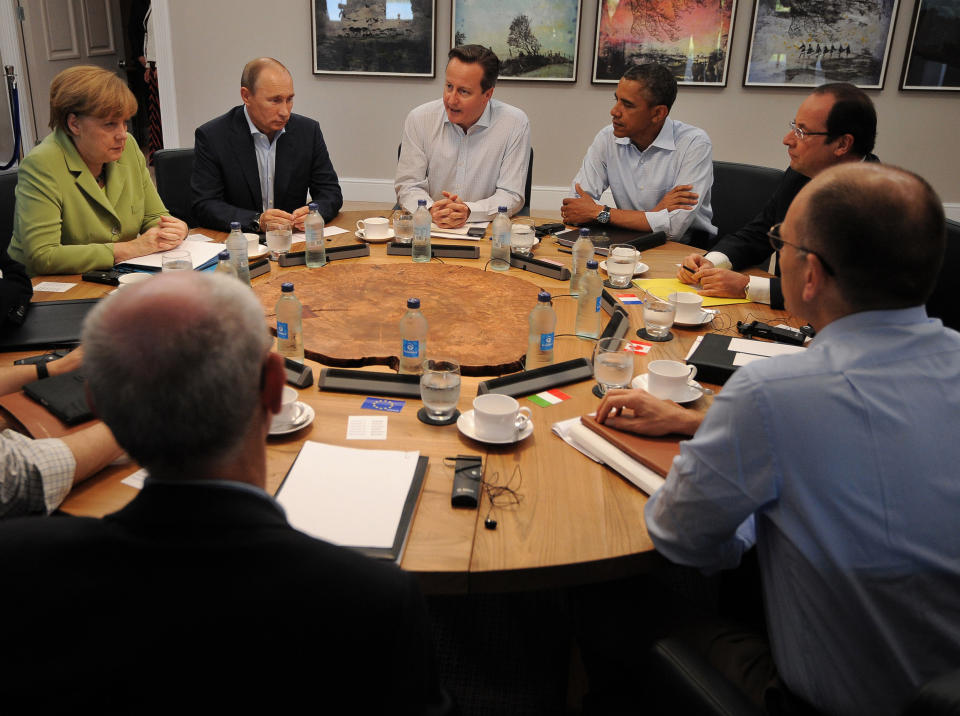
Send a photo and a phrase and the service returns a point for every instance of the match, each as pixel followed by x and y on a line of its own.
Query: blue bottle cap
pixel 234 226
pixel 312 206
pixel 413 302
pixel 592 263
pixel 584 232
pixel 421 202
pixel 287 287
pixel 224 256
pixel 543 297
pixel 502 210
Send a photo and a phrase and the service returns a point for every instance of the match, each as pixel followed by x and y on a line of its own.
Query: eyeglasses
pixel 777 242
pixel 802 134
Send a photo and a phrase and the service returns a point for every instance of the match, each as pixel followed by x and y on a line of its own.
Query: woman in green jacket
pixel 84 197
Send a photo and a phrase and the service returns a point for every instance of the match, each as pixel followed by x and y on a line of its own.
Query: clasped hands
pixel 582 209
pixel 449 212
pixel 695 269
pixel 296 218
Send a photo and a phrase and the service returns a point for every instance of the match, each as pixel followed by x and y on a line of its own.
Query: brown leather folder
pixel 655 453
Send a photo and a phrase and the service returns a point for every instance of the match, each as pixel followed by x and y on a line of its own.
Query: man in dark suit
pixel 835 124
pixel 257 162
pixel 198 593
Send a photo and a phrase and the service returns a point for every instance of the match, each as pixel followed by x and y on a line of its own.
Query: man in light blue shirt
pixel 659 171
pixel 839 463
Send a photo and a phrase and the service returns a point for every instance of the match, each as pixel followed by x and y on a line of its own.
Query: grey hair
pixel 178 390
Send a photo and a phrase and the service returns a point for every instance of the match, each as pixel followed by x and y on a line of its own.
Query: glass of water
pixel 621 263
pixel 658 315
pixel 403 226
pixel 440 388
pixel 522 235
pixel 178 260
pixel 613 363
pixel 279 238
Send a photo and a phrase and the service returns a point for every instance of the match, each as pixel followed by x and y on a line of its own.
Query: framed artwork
pixel 691 37
pixel 805 43
pixel 374 37
pixel 535 40
pixel 933 52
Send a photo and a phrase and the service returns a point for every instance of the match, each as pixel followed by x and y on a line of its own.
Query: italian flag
pixel 548 398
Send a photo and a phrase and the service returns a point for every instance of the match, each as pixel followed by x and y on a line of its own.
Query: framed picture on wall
pixel 691 37
pixel 805 43
pixel 374 37
pixel 534 40
pixel 933 51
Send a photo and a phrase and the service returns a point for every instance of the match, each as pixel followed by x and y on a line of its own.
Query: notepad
pixel 358 498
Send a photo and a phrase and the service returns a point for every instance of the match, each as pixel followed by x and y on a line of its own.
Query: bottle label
pixel 597 309
pixel 411 349
pixel 546 341
pixel 283 332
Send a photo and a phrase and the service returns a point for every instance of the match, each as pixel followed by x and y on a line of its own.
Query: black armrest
pixel 938 697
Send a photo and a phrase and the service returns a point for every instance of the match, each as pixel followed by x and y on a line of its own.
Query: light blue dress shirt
pixel 848 458
pixel 681 154
pixel 266 159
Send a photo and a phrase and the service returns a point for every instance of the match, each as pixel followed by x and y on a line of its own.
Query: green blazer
pixel 64 222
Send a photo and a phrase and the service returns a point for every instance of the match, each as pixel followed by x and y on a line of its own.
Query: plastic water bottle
pixel 313 227
pixel 224 266
pixel 582 250
pixel 289 324
pixel 413 336
pixel 237 246
pixel 420 249
pixel 542 321
pixel 500 250
pixel 588 302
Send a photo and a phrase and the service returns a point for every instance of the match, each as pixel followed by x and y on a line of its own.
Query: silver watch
pixel 604 216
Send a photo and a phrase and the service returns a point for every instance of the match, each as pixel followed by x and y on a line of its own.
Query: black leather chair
pixel 173 169
pixel 739 193
pixel 944 304
pixel 8 187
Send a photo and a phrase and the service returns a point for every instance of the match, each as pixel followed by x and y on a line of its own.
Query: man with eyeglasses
pixel 835 124
pixel 832 462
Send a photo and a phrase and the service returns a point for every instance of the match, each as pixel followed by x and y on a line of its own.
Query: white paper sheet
pixel 328 231
pixel 762 348
pixel 53 286
pixel 365 427
pixel 348 496
pixel 200 253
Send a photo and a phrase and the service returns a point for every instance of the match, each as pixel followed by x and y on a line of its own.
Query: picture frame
pixel 535 41
pixel 932 60
pixel 362 37
pixel 826 41
pixel 691 37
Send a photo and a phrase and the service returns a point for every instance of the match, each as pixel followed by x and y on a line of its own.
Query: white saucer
pixel 465 425
pixel 705 317
pixel 261 250
pixel 305 417
pixel 360 235
pixel 694 389
pixel 640 268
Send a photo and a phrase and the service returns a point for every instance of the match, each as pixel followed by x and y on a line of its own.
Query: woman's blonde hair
pixel 92 91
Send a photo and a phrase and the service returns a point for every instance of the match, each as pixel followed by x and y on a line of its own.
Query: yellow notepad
pixel 663 287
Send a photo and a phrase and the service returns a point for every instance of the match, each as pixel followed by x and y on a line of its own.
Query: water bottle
pixel 543 321
pixel 500 250
pixel 289 324
pixel 582 250
pixel 413 336
pixel 420 250
pixel 313 227
pixel 588 302
pixel 224 265
pixel 237 246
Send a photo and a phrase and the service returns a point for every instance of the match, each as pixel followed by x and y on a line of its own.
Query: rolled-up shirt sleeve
pixel 37 474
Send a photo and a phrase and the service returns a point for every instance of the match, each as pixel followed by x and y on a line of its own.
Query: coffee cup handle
pixel 360 225
pixel 524 415
pixel 693 372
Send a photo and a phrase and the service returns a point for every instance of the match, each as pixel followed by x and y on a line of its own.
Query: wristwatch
pixel 256 221
pixel 604 216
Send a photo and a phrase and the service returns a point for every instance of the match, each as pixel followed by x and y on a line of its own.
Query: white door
pixel 61 33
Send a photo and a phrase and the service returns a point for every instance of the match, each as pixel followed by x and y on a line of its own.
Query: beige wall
pixel 362 117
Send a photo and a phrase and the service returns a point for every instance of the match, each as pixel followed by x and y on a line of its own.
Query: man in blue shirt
pixel 833 462
pixel 659 170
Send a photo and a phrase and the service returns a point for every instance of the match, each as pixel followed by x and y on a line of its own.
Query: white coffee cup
pixel 689 306
pixel 669 378
pixel 376 227
pixel 499 417
pixel 253 243
pixel 288 409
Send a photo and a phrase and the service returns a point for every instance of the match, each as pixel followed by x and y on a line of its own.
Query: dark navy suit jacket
pixel 226 183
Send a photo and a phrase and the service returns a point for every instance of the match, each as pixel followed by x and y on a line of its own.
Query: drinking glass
pixel 658 315
pixel 440 387
pixel 612 363
pixel 522 235
pixel 403 226
pixel 279 238
pixel 178 260
pixel 621 263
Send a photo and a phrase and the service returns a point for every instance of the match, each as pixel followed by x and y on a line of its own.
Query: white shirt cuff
pixel 758 289
pixel 718 259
